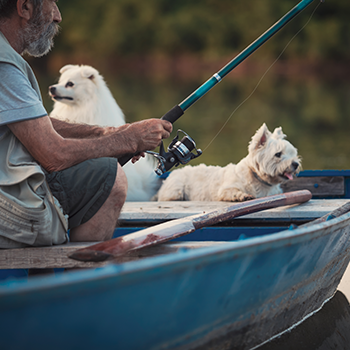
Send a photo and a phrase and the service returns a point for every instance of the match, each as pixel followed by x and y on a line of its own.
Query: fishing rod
pixel 181 152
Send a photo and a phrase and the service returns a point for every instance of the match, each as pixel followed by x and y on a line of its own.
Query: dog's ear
pixel 260 138
pixel 278 133
pixel 89 72
pixel 66 67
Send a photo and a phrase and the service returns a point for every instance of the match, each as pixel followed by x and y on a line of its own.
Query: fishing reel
pixel 179 152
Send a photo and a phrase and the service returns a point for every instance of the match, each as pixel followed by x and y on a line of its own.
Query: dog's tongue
pixel 288 175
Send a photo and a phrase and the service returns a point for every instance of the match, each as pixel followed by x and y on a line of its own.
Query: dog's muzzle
pixel 53 94
pixel 295 165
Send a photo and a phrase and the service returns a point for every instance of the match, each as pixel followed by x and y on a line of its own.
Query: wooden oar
pixel 176 228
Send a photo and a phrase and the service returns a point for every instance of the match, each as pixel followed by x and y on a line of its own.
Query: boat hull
pixel 238 295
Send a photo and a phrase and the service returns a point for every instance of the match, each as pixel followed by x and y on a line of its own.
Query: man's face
pixel 41 28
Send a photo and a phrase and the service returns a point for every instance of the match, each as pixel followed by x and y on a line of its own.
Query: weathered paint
pixel 243 292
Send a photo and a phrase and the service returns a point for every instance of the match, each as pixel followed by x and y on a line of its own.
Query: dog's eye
pixel 69 84
pixel 278 155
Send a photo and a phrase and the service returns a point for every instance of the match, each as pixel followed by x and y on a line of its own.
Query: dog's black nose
pixel 52 89
pixel 295 165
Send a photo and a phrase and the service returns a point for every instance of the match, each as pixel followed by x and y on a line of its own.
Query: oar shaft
pixel 252 206
pixel 180 227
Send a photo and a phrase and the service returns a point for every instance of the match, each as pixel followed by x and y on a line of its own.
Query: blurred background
pixel 155 53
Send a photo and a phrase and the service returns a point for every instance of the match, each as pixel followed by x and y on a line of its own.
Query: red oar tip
pixel 90 255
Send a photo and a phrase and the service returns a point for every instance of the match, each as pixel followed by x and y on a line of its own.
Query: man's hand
pixel 140 155
pixel 148 134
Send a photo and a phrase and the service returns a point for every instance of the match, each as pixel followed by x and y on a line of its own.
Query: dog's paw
pixel 245 197
pixel 234 195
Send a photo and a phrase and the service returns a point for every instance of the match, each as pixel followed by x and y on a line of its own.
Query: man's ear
pixel 25 9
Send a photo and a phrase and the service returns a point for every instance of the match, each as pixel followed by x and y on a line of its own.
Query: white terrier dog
pixel 271 161
pixel 82 96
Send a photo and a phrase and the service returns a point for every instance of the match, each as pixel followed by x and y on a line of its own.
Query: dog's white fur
pixel 82 96
pixel 271 161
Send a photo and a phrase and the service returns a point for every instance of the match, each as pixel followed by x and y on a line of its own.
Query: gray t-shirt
pixel 18 100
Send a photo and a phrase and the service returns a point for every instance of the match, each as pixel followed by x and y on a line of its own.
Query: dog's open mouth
pixel 288 176
pixel 59 98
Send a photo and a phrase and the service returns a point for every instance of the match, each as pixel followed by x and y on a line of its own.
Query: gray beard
pixel 37 40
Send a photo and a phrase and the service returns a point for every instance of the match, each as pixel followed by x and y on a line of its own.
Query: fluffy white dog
pixel 82 96
pixel 271 161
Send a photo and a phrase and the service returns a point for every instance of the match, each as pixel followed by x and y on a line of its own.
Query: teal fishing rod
pixel 180 152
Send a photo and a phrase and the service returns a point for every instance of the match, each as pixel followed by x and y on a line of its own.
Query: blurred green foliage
pixel 313 113
pixel 107 28
pixel 155 53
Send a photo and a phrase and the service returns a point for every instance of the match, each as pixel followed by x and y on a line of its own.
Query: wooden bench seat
pixel 56 256
pixel 319 186
pixel 155 212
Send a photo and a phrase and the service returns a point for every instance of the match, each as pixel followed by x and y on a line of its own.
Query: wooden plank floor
pixel 153 212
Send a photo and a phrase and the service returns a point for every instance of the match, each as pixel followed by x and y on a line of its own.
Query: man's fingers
pixel 149 133
pixel 167 126
pixel 138 157
pixel 165 134
pixel 167 129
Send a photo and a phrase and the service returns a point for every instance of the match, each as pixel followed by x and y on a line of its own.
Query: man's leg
pixel 101 226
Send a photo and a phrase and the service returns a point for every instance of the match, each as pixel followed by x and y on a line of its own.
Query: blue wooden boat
pixel 230 286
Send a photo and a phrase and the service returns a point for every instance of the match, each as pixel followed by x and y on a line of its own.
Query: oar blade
pixel 136 240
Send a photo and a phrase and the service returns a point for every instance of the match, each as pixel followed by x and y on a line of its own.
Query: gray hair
pixel 7 7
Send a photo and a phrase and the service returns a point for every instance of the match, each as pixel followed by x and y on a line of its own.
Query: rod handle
pixel 173 114
pixel 123 160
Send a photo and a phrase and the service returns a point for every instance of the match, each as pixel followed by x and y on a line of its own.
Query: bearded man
pixel 55 175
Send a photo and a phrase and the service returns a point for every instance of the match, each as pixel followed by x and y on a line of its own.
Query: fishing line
pixel 263 76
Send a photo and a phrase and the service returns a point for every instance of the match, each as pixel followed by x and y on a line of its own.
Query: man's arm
pixel 79 131
pixel 55 152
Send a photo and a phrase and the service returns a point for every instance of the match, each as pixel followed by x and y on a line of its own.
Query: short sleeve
pixel 18 100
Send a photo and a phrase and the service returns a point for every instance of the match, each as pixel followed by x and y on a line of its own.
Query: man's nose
pixel 57 15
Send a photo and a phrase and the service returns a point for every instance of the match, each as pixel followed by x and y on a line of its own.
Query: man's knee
pixel 120 187
pixel 101 226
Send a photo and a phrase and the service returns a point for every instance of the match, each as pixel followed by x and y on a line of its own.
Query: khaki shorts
pixel 83 188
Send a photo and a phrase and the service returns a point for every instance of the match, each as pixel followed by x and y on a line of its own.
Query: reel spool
pixel 179 152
